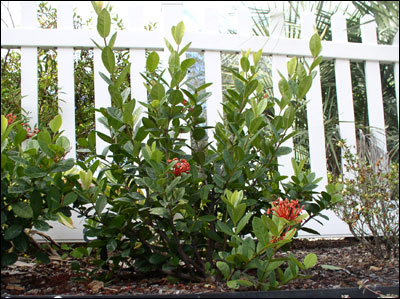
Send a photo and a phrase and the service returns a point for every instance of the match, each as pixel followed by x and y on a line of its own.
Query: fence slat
pixel 212 68
pixel 373 86
pixel 137 57
pixel 29 65
pixel 344 89
pixel 315 120
pixel 279 62
pixel 101 98
pixel 66 95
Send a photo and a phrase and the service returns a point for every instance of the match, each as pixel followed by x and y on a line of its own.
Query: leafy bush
pixel 34 188
pixel 171 210
pixel 370 204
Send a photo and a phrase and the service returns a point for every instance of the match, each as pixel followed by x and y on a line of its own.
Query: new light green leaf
pixel 104 23
pixel 152 62
pixel 310 260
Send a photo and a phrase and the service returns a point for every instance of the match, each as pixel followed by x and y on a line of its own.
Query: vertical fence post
pixel 315 114
pixel 344 89
pixel 66 95
pixel 29 66
pixel 373 85
pixel 101 98
pixel 279 63
pixel 212 68
pixel 137 57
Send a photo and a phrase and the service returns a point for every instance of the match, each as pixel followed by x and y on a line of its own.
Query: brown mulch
pixel 357 266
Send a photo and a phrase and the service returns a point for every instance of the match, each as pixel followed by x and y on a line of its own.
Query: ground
pixel 354 266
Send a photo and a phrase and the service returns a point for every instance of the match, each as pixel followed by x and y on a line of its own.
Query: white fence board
pixel 279 63
pixel 344 89
pixel 315 120
pixel 66 96
pixel 373 86
pixel 50 38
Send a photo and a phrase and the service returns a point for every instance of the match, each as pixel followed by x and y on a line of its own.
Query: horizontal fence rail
pixel 66 40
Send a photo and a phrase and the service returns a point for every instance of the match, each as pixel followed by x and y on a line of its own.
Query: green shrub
pixel 34 188
pixel 172 211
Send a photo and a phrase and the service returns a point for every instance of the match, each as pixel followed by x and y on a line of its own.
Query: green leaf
pixel 111 245
pixel 123 75
pixel 255 124
pixel 63 142
pixel 86 179
pixel 238 212
pixel 8 259
pixel 223 227
pixel 207 218
pixel 177 32
pixel 22 209
pixel 63 165
pixel 304 86
pixel 224 268
pixel 271 225
pixel 243 222
pixel 55 123
pixel 21 243
pixel 104 23
pixel 285 89
pixel 69 199
pixel 315 45
pixel 112 40
pixel 162 212
pixel 250 88
pixel 41 225
pixel 79 252
pixel 36 203
pixel 34 172
pixel 107 56
pixel 315 63
pixel 199 134
pixel 157 92
pixel 4 124
pixel 152 62
pixel 330 267
pixel 187 63
pixel 12 232
pixel 245 64
pixel 156 258
pixel 310 260
pixel 260 231
pixel 101 203
pixel 67 221
pixel 291 66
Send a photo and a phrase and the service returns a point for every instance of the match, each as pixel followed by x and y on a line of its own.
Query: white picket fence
pixel 65 39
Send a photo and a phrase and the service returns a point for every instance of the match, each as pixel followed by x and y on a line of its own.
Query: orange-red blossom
pixel 181 166
pixel 288 210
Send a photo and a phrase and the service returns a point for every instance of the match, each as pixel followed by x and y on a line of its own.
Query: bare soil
pixel 354 266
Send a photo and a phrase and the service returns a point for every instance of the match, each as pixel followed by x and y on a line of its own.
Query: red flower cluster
pixel 181 166
pixel 29 134
pixel 289 210
pixel 11 118
pixel 184 104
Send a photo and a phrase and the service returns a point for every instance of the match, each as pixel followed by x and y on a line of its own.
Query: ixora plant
pixel 199 214
pixel 34 188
